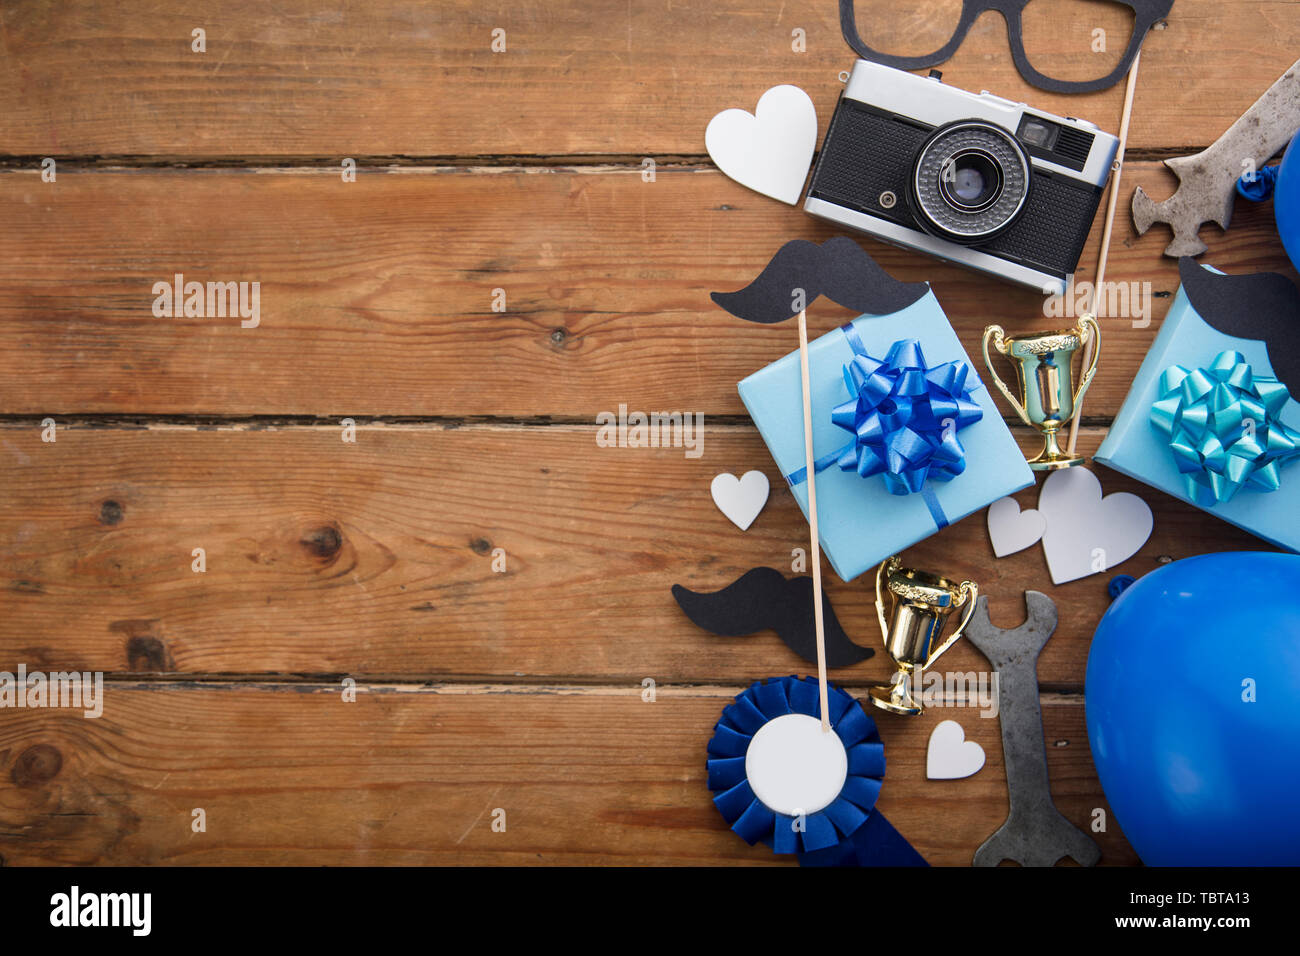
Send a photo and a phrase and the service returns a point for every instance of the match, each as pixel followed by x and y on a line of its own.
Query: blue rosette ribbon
pixel 1222 427
pixel 849 830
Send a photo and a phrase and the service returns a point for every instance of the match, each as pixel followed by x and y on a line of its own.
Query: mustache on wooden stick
pixel 801 271
pixel 763 599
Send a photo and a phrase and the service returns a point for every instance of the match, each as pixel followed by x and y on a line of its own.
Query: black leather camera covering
pixel 868 152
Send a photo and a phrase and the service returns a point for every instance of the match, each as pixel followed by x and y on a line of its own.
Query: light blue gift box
pixel 860 522
pixel 1134 446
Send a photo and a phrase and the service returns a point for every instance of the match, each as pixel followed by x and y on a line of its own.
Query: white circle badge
pixel 794 767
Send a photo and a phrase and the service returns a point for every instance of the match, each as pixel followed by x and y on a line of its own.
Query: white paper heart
pixel 740 499
pixel 950 755
pixel 1011 529
pixel 1086 533
pixel 771 149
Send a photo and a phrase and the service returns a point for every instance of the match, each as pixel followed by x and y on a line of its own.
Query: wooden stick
pixel 812 522
pixel 1111 202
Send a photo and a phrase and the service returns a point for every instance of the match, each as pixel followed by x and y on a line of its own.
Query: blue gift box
pixel 860 521
pixel 1139 449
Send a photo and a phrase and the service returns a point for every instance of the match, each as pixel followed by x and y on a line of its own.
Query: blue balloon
pixel 1193 708
pixel 1286 201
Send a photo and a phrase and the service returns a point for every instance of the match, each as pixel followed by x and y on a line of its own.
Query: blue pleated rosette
pixel 849 830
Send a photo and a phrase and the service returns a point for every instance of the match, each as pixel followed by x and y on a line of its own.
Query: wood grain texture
pixel 377 296
pixel 519 171
pixel 376 558
pixel 293 775
pixel 393 78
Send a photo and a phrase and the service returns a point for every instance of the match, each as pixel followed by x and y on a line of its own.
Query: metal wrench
pixel 1035 833
pixel 1206 180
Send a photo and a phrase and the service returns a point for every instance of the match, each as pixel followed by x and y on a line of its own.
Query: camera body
pixel 975 179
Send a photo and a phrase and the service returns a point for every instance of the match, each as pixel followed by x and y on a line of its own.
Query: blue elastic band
pixel 932 502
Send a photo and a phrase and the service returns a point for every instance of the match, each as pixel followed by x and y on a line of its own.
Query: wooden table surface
pixel 379 560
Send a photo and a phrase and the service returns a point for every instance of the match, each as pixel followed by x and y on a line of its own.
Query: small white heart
pixel 1011 529
pixel 771 149
pixel 1086 533
pixel 950 755
pixel 740 499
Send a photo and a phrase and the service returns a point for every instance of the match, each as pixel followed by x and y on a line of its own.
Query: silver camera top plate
pixel 929 100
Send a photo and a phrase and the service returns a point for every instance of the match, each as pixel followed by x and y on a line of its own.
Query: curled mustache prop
pixel 763 599
pixel 1264 306
pixel 839 269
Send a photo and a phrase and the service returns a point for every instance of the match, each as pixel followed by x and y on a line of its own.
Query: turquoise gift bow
pixel 1223 429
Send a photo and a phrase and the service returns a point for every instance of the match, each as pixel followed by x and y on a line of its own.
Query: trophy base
pixel 1054 464
pixel 885 699
pixel 1053 456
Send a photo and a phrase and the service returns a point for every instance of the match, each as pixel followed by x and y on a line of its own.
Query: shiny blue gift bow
pixel 928 494
pixel 1201 414
pixel 848 831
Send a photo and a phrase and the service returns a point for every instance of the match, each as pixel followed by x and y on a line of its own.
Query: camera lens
pixel 969 181
pixel 972 180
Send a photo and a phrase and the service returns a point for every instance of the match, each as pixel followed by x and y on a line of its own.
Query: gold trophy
pixel 921 605
pixel 1043 362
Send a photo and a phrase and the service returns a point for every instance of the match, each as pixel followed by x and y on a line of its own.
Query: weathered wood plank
pixel 394 78
pixel 377 297
pixel 376 558
pixel 292 775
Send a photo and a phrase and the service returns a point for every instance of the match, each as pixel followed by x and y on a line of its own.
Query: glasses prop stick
pixel 1091 345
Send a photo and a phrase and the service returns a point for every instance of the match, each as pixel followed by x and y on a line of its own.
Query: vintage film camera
pixel 976 179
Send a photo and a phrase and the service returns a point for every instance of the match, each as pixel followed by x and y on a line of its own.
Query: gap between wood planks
pixel 1067 693
pixel 254 423
pixel 470 685
pixel 486 163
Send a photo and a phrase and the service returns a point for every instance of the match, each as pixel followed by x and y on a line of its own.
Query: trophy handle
pixel 996 332
pixel 972 592
pixel 880 599
pixel 1088 320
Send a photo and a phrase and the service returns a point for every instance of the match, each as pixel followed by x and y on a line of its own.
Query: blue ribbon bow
pixel 848 831
pixel 904 417
pixel 1223 429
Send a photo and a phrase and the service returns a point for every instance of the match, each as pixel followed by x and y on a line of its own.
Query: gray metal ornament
pixel 1207 180
pixel 1035 833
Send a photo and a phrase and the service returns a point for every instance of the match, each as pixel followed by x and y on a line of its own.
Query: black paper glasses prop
pixel 1146 13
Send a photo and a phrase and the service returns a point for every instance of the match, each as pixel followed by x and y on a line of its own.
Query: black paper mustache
pixel 839 269
pixel 1264 306
pixel 763 599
